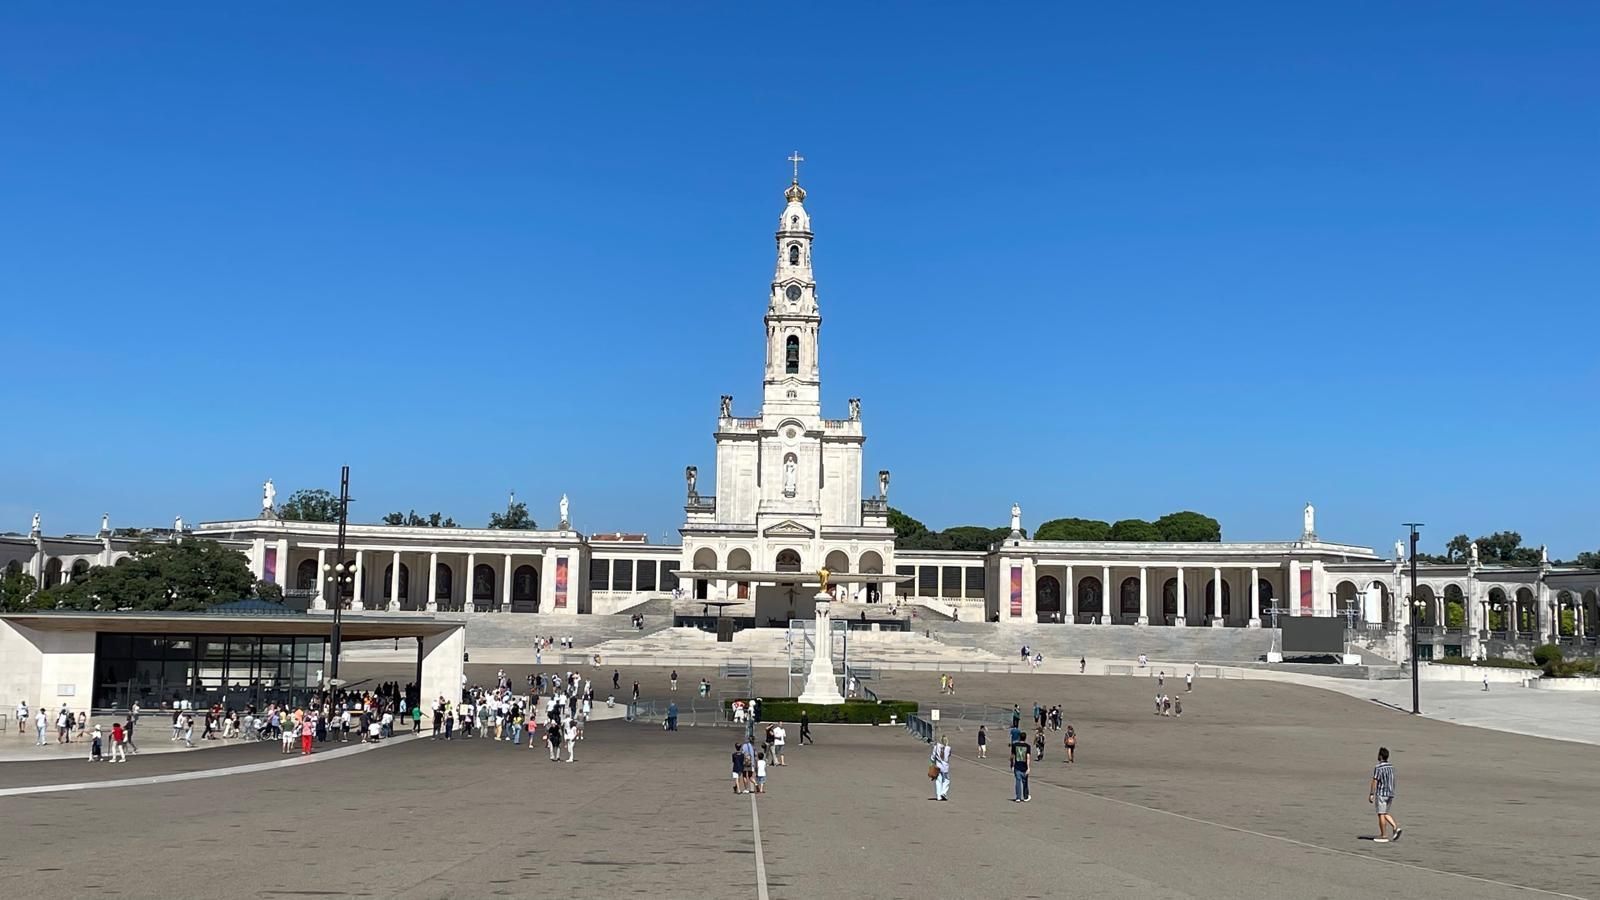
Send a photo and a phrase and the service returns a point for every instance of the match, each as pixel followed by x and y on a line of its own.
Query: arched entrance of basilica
pixel 1047 598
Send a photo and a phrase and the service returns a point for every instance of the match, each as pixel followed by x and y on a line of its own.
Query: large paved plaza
pixel 1259 791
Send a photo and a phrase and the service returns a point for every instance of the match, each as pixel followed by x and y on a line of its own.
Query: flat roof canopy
pixel 803 579
pixel 352 626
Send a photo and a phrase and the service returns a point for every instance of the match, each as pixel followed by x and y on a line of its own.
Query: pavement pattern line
pixel 145 780
pixel 761 865
pixel 1287 840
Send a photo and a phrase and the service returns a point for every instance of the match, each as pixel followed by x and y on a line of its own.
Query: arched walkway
pixel 1128 603
pixel 483 587
pixel 1428 615
pixel 1527 614
pixel 705 560
pixel 525 590
pixel 1455 608
pixel 1169 603
pixel 305 575
pixel 52 573
pixel 870 563
pixel 1591 613
pixel 444 587
pixel 739 561
pixel 1047 598
pixel 1499 611
pixel 80 569
pixel 1089 592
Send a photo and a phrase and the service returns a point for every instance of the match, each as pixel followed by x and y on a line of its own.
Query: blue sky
pixel 1105 260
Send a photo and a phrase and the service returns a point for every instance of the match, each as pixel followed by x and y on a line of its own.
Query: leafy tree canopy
pixel 1073 530
pixel 1134 530
pixel 316 505
pixel 1188 526
pixel 411 519
pixel 187 575
pixel 1502 548
pixel 1589 559
pixel 515 518
pixel 910 534
pixel 17 590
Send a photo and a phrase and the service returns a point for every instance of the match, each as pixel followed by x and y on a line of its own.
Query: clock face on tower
pixel 793 293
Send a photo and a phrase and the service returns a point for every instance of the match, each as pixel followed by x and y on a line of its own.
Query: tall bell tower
pixel 793 382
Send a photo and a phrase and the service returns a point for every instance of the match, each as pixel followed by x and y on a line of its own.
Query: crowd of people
pixel 561 703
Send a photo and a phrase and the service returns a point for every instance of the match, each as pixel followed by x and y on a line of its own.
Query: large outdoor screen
pixel 1307 634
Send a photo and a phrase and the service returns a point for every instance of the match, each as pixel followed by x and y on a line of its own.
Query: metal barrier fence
pixel 695 713
pixel 919 728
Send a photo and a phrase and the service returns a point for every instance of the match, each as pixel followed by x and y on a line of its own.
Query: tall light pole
pixel 339 574
pixel 1416 697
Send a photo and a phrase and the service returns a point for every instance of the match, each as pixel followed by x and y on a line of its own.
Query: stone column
pixel 321 600
pixel 357 602
pixel 433 582
pixel 285 573
pixel 394 582
pixel 1291 596
pixel 1255 597
pixel 1069 598
pixel 1144 597
pixel 1181 620
pixel 1105 595
pixel 466 597
pixel 505 587
pixel 1216 597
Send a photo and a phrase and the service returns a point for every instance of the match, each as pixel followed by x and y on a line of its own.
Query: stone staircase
pixel 488 630
pixel 1104 642
pixel 769 647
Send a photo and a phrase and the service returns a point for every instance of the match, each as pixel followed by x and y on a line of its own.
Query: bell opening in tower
pixel 791 356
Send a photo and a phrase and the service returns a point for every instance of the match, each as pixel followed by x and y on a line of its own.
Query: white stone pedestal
pixel 821 688
pixel 1178 622
pixel 1254 623
pixel 1274 656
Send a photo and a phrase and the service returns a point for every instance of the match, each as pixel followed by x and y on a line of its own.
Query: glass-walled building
pixel 233 670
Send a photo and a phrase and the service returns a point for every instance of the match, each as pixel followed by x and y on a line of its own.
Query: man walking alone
pixel 1021 765
pixel 941 762
pixel 1381 795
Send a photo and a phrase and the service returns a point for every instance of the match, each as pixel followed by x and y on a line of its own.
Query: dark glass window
pixel 622 575
pixel 647 576
pixel 669 576
pixel 975 581
pixel 928 581
pixel 599 574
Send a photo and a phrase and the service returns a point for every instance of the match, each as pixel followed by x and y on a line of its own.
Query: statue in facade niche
pixel 790 476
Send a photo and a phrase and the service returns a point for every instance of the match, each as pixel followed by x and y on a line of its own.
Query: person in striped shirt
pixel 1381 795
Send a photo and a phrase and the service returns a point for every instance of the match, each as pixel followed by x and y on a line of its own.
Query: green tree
pixel 1455 613
pixel 1188 526
pixel 1589 559
pixel 973 537
pixel 411 519
pixel 515 518
pixel 17 590
pixel 904 526
pixel 187 575
pixel 1072 530
pixel 315 505
pixel 1134 530
pixel 266 590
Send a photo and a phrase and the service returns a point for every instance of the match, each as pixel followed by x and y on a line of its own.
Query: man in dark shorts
pixel 738 769
pixel 1381 796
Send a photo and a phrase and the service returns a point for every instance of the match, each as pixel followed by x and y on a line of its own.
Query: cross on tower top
pixel 797 159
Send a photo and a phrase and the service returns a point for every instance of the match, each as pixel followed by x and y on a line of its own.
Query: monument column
pixel 505 587
pixel 469 582
pixel 1255 597
pixel 1144 597
pixel 394 582
pixel 358 600
pixel 1105 595
pixel 433 582
pixel 1180 620
pixel 1216 597
pixel 321 600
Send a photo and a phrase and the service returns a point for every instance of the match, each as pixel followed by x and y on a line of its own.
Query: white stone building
pixel 789 481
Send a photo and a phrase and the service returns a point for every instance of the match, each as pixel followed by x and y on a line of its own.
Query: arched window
pixel 791 355
pixel 794 254
pixel 305 575
pixel 788 561
pixel 443 583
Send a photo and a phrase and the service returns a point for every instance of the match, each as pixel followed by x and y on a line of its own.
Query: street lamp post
pixel 1415 603
pixel 339 574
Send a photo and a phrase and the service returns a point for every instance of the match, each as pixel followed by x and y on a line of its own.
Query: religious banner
pixel 1016 592
pixel 269 567
pixel 561 582
pixel 1305 592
